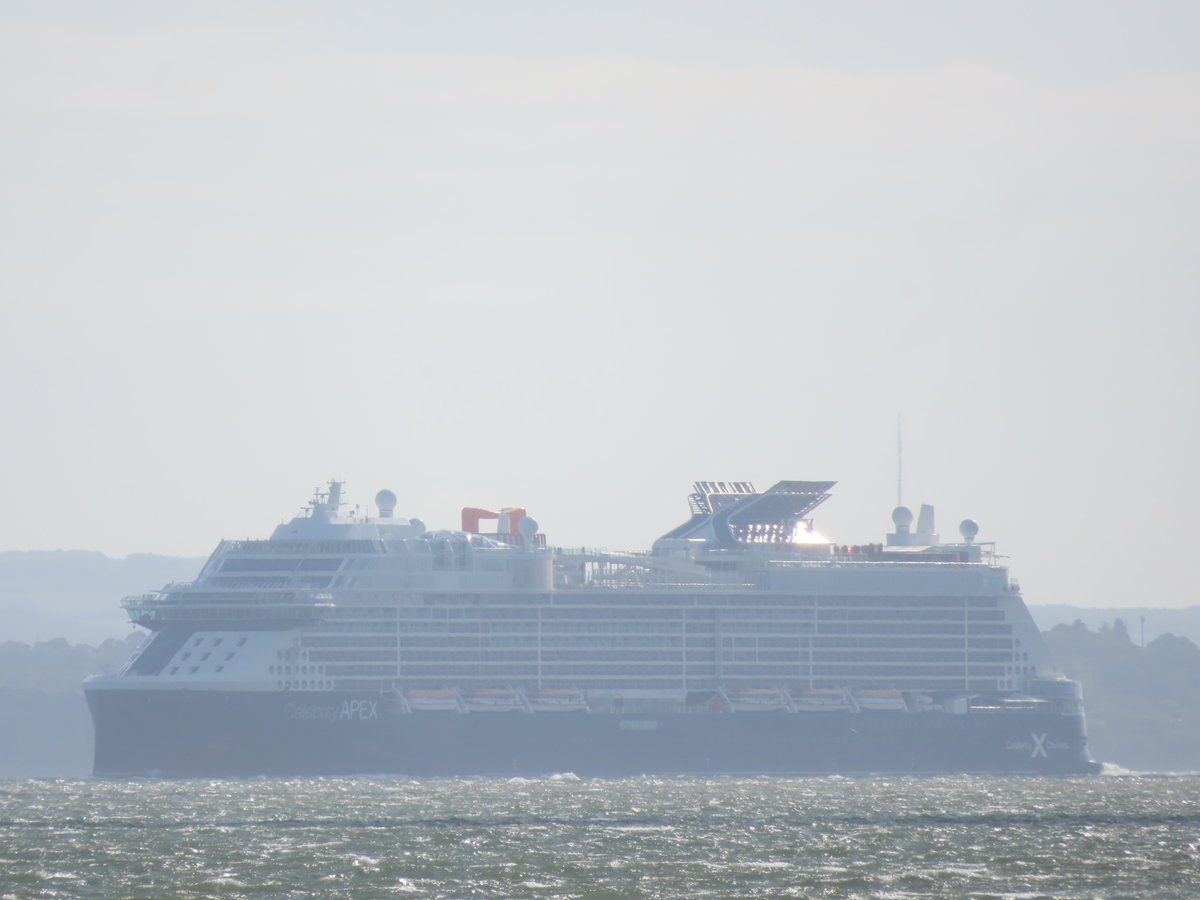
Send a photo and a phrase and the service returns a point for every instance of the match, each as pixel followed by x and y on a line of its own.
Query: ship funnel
pixel 926 530
pixel 386 501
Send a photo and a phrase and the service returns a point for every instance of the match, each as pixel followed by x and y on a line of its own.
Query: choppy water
pixel 564 837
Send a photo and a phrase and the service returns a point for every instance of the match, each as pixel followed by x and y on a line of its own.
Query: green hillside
pixel 1143 703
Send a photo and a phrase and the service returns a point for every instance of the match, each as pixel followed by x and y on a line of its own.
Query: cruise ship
pixel 743 642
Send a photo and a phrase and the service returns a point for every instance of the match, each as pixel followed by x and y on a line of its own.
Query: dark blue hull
pixel 182 733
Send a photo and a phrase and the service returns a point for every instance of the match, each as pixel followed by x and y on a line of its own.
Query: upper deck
pixel 745 593
pixel 736 539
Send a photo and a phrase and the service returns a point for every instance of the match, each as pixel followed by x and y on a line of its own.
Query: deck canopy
pixel 733 512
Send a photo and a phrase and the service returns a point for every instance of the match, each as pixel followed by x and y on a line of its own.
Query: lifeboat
pixel 434 701
pixel 495 700
pixel 759 700
pixel 558 700
pixel 884 700
pixel 821 700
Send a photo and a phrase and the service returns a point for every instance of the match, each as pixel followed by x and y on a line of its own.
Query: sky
pixel 573 257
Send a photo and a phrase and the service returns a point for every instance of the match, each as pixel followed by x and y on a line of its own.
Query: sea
pixel 1114 835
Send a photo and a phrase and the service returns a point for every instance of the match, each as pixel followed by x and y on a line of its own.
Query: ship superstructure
pixel 347 643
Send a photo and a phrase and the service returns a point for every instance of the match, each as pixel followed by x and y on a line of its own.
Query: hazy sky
pixel 576 256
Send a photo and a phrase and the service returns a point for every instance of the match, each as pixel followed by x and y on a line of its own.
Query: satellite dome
pixel 902 517
pixel 528 527
pixel 968 528
pixel 386 501
pixel 418 525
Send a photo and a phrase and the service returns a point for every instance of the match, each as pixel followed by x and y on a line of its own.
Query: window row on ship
pixel 295 564
pixel 349 641
pixel 701 614
pixel 676 656
pixel 404 605
pixel 668 600
pixel 686 599
pixel 616 628
pixel 409 641
pixel 614 668
pixel 470 656
pixel 299 548
pixel 931 636
pixel 726 627
pixel 593 677
pixel 661 684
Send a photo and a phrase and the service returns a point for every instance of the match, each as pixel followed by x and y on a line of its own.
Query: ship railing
pixel 568 555
pixel 165 601
pixel 137 600
pixel 161 596
pixel 124 670
pixel 600 555
pixel 665 579
pixel 161 615
pixel 159 608
pixel 302 548
pixel 667 584
pixel 514 540
pixel 858 561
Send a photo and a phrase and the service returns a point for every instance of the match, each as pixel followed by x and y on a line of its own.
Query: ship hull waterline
pixel 208 733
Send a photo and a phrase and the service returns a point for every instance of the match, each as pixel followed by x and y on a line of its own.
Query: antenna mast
pixel 899 464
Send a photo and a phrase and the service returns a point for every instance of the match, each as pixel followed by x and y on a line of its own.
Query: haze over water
pixel 572 257
pixel 1130 836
